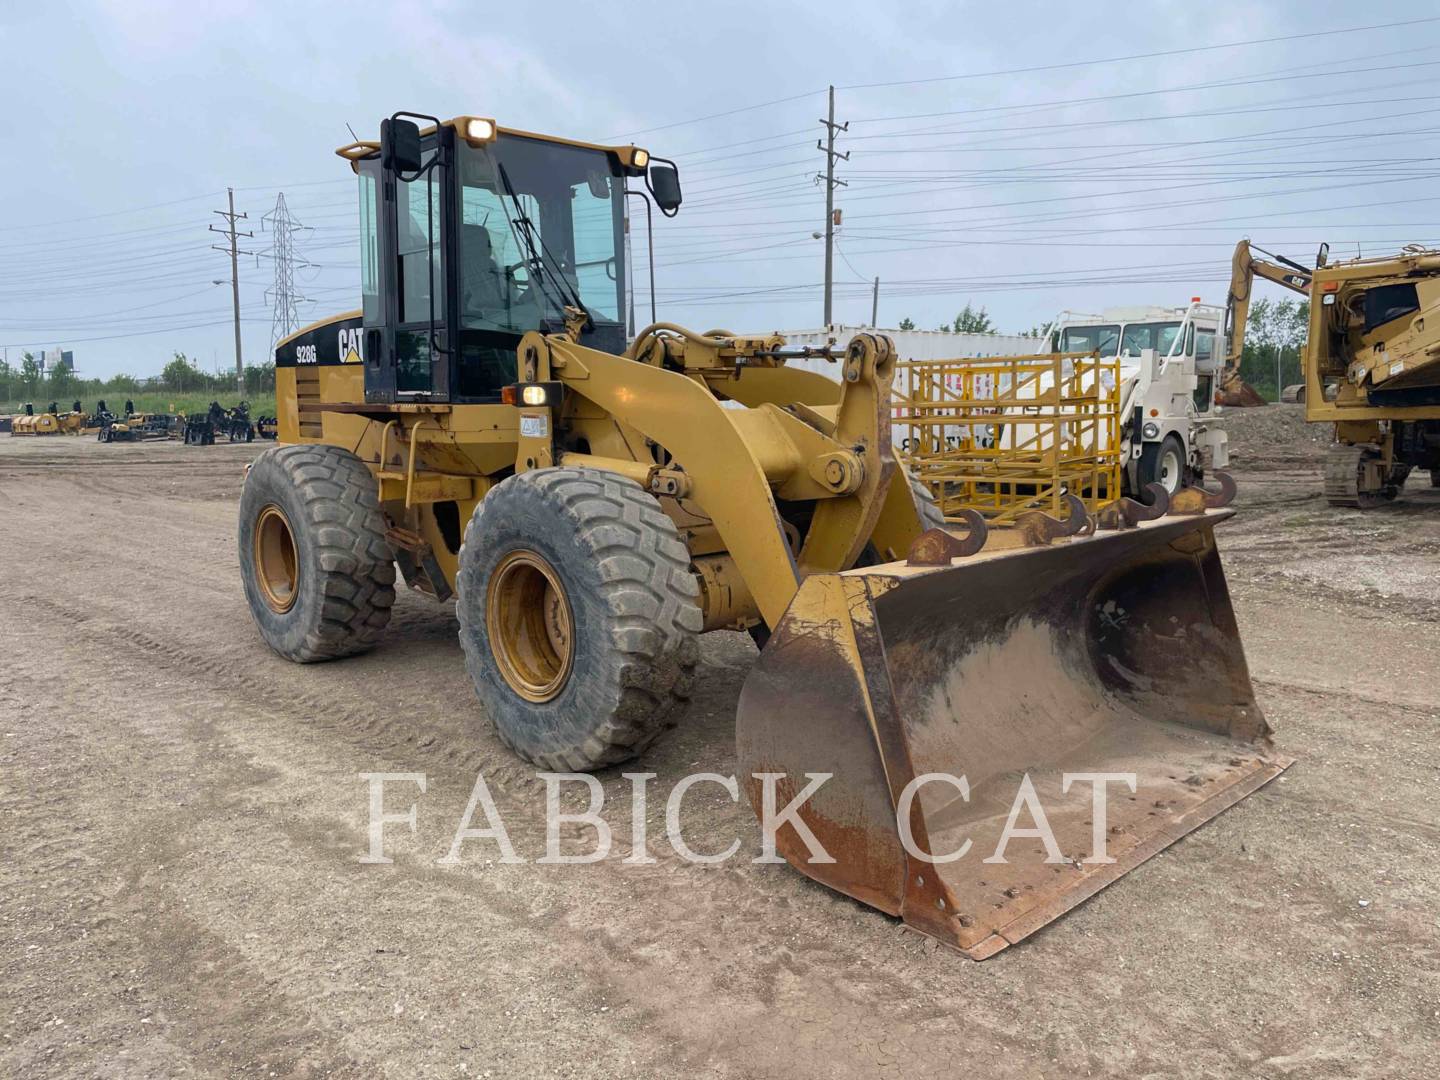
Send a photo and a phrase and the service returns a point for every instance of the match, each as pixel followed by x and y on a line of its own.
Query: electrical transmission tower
pixel 827 145
pixel 284 299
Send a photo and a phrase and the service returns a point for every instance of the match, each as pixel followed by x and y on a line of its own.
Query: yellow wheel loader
pixel 592 506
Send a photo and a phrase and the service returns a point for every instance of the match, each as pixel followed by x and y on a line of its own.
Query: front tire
pixel 579 616
pixel 318 571
pixel 1163 463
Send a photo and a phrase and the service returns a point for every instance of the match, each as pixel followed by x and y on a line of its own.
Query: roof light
pixel 479 130
pixel 640 158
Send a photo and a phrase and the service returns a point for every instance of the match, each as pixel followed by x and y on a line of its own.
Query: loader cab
pixel 473 235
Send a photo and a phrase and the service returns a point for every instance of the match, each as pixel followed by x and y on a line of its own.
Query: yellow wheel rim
pixel 276 565
pixel 527 617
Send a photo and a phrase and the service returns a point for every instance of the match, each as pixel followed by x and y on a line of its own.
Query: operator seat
pixel 481 281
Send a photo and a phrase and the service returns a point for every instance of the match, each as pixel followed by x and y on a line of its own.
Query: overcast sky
pixel 1079 185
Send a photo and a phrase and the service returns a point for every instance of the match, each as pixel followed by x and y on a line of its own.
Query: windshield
pixel 1159 336
pixel 1102 339
pixel 540 226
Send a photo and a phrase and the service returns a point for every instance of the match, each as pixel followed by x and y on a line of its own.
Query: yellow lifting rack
pixel 1003 434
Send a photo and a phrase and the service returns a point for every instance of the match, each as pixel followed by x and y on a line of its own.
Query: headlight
pixel 1151 430
pixel 533 395
pixel 640 158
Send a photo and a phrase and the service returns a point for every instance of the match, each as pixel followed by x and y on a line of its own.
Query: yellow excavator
pixel 592 502
pixel 1244 268
pixel 1371 363
pixel 1372 368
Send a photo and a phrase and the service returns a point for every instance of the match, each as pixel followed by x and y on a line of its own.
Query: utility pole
pixel 875 306
pixel 827 146
pixel 229 232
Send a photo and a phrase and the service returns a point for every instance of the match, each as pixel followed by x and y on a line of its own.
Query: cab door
pixel 406 277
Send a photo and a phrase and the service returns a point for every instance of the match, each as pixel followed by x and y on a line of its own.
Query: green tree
pixel 181 374
pixel 1274 336
pixel 907 323
pixel 259 378
pixel 29 376
pixel 972 321
pixel 61 382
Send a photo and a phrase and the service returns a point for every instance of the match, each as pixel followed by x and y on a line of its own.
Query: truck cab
pixel 1170 366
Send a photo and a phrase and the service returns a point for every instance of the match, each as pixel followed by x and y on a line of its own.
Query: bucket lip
pixel 1266 768
pixel 1172 523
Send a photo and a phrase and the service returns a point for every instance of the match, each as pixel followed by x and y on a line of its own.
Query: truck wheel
pixel 318 572
pixel 1163 463
pixel 579 616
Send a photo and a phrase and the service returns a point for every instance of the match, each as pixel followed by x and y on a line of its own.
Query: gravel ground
pixel 180 893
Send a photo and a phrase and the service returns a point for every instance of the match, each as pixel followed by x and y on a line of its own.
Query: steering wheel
pixel 533 266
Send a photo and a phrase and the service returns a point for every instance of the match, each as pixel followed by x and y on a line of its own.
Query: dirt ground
pixel 182 813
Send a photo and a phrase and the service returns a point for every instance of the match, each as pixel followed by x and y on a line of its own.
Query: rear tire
pixel 579 616
pixel 318 571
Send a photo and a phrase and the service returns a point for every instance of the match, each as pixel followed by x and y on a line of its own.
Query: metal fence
pixel 1002 434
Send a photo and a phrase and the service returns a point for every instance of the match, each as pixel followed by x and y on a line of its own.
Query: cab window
pixel 1084 339
pixel 1385 303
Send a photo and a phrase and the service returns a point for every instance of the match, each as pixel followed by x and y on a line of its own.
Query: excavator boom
pixel 1244 268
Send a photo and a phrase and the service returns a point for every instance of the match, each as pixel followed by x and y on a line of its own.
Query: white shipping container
pixel 911 345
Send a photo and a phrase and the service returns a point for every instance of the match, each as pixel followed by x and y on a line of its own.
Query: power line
pixel 714 116
pixel 1140 56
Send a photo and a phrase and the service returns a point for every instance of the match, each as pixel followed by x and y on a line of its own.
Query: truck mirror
pixel 1322 256
pixel 664 181
pixel 400 146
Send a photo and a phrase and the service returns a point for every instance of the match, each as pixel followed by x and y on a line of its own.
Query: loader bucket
pixel 1115 653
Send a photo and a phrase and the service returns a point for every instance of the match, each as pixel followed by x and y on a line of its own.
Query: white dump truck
pixel 1170 366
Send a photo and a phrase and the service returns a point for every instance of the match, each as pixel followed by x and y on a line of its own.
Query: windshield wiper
pixel 529 235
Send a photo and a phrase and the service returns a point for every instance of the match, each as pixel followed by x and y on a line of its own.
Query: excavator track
pixel 1344 468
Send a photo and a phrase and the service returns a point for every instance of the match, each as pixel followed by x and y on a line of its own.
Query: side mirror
pixel 400 146
pixel 1322 257
pixel 664 183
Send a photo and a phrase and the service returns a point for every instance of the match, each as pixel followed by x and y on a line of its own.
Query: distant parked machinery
pixel 234 424
pixel 135 426
pixel 52 421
